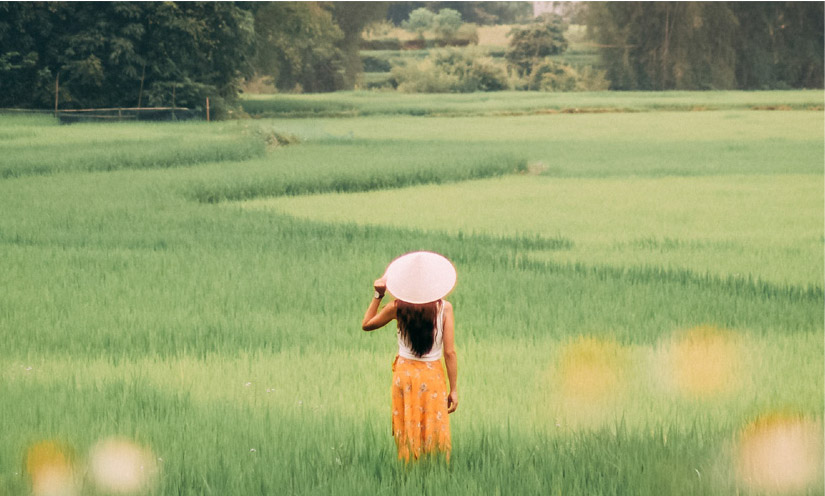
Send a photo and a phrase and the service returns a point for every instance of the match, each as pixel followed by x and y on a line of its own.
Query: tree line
pixel 709 45
pixel 127 54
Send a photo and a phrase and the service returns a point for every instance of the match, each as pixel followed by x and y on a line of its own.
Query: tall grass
pixel 754 226
pixel 130 308
pixel 36 145
pixel 353 165
pixel 367 103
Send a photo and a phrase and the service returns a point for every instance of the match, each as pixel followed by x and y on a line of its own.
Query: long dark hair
pixel 416 323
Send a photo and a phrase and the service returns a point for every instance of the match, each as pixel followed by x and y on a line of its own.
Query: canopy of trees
pixel 122 54
pixel 167 53
pixel 475 12
pixel 530 44
pixel 709 45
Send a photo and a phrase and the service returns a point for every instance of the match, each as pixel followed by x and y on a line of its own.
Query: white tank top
pixel 436 351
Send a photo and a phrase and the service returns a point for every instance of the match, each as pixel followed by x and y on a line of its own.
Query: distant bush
pixel 451 71
pixel 375 64
pixel 381 44
pixel 446 23
pixel 416 44
pixel 420 20
pixel 592 79
pixel 531 44
pixel 469 32
pixel 379 29
pixel 465 35
pixel 555 76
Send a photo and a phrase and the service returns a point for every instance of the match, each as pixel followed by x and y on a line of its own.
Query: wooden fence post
pixel 140 92
pixel 207 109
pixel 56 92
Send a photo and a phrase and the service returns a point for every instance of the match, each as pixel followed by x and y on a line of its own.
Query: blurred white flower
pixel 119 466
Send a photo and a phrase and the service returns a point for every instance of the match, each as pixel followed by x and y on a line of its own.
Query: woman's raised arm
pixel 373 319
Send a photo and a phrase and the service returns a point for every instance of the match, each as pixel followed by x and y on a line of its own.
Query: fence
pixel 70 116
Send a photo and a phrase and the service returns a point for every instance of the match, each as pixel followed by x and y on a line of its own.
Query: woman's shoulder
pixel 448 307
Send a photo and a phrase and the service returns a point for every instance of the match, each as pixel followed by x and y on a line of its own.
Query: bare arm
pixel 450 357
pixel 373 319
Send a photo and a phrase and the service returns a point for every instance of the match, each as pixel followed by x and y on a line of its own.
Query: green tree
pixel 122 54
pixel 420 20
pixel 704 45
pixel 779 44
pixel 446 23
pixel 352 18
pixel 531 44
pixel 475 12
pixel 297 46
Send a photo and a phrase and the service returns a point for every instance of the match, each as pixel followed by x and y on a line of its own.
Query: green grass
pixel 33 144
pixel 366 103
pixel 766 227
pixel 131 305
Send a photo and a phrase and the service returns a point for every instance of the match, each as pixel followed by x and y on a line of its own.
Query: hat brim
pixel 420 277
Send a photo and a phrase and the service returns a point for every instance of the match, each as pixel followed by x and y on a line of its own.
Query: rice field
pixel 503 103
pixel 639 305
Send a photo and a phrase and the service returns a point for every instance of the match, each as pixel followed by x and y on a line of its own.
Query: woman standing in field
pixel 420 403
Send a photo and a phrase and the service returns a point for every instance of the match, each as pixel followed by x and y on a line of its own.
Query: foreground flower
pixel 780 453
pixel 119 466
pixel 50 467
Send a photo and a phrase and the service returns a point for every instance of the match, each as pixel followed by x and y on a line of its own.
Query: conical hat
pixel 420 277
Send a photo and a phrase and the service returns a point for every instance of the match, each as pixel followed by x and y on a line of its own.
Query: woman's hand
pixel 380 285
pixel 452 401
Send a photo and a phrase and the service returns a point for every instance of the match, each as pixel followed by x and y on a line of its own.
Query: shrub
pixel 466 35
pixel 416 44
pixel 446 23
pixel 555 76
pixel 531 44
pixel 469 32
pixel 591 79
pixel 451 71
pixel 420 20
pixel 375 64
pixel 381 44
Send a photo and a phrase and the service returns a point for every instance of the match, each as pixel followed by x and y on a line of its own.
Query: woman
pixel 420 402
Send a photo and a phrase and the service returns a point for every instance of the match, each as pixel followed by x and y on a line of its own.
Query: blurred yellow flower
pixel 50 465
pixel 704 361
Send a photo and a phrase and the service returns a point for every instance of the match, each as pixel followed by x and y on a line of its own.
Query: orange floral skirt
pixel 419 408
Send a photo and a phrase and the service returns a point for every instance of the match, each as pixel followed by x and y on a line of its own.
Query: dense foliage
pixel 297 46
pixel 530 44
pixel 114 54
pixel 451 70
pixel 704 45
pixel 122 54
pixel 476 12
pixel 133 54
